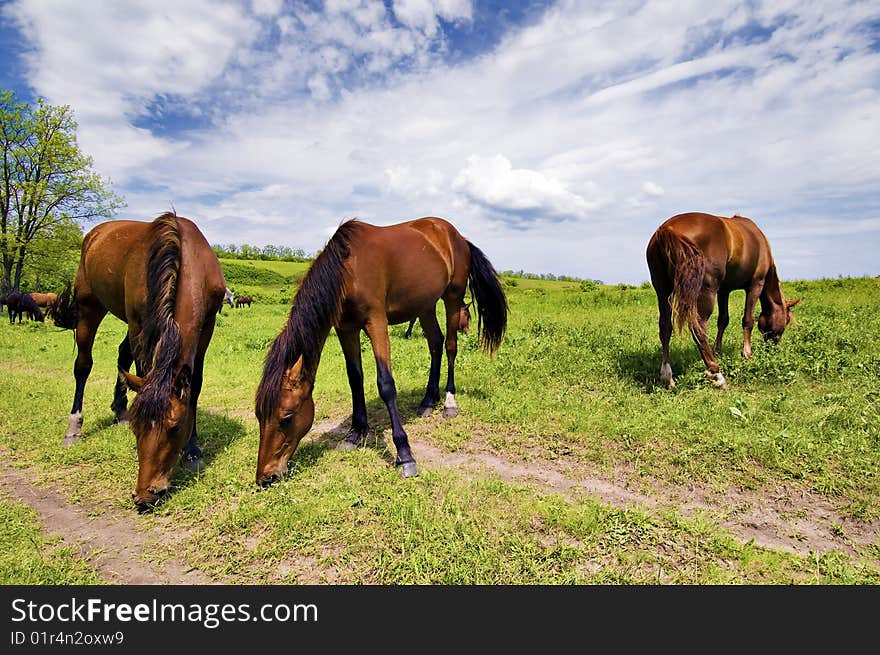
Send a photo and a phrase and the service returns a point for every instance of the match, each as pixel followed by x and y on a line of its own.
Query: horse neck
pixel 771 296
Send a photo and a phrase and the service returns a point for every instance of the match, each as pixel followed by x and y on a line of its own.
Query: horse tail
pixel 160 341
pixel 685 266
pixel 489 298
pixel 64 309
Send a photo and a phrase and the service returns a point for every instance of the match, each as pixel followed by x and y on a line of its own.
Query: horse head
pixel 772 323
pixel 282 428
pixel 161 424
pixel 464 318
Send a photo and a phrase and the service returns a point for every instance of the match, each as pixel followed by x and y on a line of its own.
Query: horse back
pixel 403 269
pixel 113 269
pixel 734 248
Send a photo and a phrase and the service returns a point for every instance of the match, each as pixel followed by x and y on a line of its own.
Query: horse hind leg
pixel 665 325
pixel 434 337
pixel 453 320
pixel 698 332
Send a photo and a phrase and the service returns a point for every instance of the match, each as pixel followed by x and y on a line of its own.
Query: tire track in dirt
pixel 105 538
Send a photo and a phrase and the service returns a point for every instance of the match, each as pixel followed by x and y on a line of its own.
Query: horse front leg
pixel 88 320
pixel 434 337
pixel 748 322
pixel 378 333
pixel 723 321
pixel 351 349
pixel 120 397
pixel 192 457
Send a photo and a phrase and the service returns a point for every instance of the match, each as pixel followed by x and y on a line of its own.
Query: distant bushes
pixel 265 253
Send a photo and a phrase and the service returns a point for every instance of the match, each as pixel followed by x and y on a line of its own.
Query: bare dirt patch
pixel 786 518
pixel 104 536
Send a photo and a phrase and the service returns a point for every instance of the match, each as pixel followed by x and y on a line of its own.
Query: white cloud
pixel 652 189
pixel 495 184
pixel 422 14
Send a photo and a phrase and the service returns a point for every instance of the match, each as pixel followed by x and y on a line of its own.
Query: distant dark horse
pixel 22 304
pixel 241 301
pixel 464 318
pixel 364 279
pixel 163 279
pixel 694 257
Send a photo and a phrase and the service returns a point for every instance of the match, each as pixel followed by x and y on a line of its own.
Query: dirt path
pixel 788 519
pixel 105 537
pixel 785 518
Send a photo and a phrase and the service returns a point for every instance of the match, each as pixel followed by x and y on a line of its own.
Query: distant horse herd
pixel 164 281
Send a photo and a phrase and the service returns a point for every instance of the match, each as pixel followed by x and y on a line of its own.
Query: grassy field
pixel 27 556
pixel 573 388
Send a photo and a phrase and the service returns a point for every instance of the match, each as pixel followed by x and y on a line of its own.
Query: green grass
pixel 576 379
pixel 29 557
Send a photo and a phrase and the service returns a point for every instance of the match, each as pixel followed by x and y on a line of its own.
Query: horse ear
pixel 791 303
pixel 133 382
pixel 182 383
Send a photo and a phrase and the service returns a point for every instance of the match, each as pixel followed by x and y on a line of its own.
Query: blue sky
pixel 555 135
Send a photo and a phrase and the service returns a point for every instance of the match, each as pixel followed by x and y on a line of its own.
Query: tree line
pixel 268 252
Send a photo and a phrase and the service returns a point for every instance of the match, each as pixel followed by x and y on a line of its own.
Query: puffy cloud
pixel 652 189
pixel 518 193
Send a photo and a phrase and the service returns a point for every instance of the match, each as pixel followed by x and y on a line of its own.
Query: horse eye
pixel 285 421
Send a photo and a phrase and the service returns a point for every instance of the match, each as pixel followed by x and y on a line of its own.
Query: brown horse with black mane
pixel 163 279
pixel 695 257
pixel 364 280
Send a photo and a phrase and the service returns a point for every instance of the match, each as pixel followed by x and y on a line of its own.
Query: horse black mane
pixel 159 345
pixel 316 306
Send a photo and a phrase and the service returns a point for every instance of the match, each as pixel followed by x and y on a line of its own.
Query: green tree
pixel 45 181
pixel 53 257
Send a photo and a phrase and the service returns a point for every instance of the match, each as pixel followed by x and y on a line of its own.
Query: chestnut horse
pixel 46 300
pixel 163 279
pixel 364 279
pixel 695 257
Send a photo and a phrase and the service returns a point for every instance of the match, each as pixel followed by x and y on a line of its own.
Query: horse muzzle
pixel 270 477
pixel 147 500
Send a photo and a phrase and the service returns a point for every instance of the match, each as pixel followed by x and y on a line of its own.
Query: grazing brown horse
pixel 241 301
pixel 47 301
pixel 695 257
pixel 163 279
pixel 364 279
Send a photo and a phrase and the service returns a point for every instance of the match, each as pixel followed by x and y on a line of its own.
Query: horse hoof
pixel 71 439
pixel 408 469
pixel 426 410
pixel 450 412
pixel 347 445
pixel 194 464
pixel 718 380
pixel 121 421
